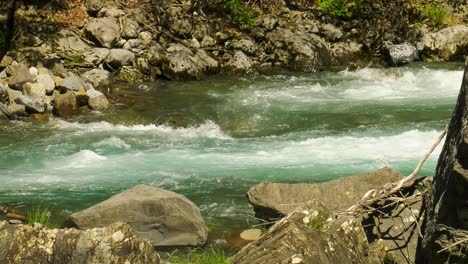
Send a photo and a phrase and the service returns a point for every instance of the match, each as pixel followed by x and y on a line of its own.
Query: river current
pixel 213 139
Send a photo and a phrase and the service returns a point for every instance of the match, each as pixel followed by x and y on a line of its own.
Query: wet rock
pixel 3 117
pixel 115 243
pixel 5 112
pixel 33 103
pixel 275 200
pixel 129 74
pixel 162 217
pixel 32 89
pixel 447 214
pixel 73 83
pixel 97 100
pixel 98 78
pixel 40 117
pixel 402 54
pixel 104 31
pixel 239 63
pixel 47 82
pixel 96 56
pixel 447 44
pixel 119 57
pixel 179 64
pixel 65 104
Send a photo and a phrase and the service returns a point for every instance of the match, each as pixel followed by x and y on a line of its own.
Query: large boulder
pixel 115 243
pixel 97 100
pixel 104 31
pixel 274 200
pixel 306 237
pixel 447 44
pixel 119 57
pixel 73 83
pixel 65 104
pixel 47 82
pixel 162 217
pixel 33 103
pixel 446 228
pixel 239 63
pixel 96 56
pixel 20 77
pixel 98 78
pixel 402 54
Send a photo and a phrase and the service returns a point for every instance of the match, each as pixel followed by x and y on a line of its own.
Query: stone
pixel 275 200
pixel 115 243
pixel 98 78
pixel 205 62
pixel 239 63
pixel 245 45
pixel 17 109
pixel 47 82
pixel 207 41
pixel 291 240
pixel 12 95
pixel 20 77
pixel 33 103
pixel 97 100
pixel 131 29
pixel 269 22
pixel 65 104
pixel 111 12
pixel 96 56
pixel 73 83
pixel 15 222
pixel 402 54
pixel 70 42
pixel 194 43
pixel 119 57
pixel 180 65
pixel 40 117
pixel 447 205
pixel 251 234
pixel 450 43
pixel 34 89
pixel 331 32
pixel 5 113
pixel 146 37
pixel 129 74
pixel 162 217
pixel 104 31
pixel 346 53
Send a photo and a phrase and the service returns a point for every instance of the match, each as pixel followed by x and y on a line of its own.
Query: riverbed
pixel 213 139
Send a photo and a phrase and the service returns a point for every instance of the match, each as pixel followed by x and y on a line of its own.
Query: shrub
pixel 238 11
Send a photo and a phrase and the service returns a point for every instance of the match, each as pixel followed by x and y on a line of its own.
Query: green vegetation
pixel 435 13
pixel 339 8
pixel 39 215
pixel 238 11
pixel 78 58
pixel 210 255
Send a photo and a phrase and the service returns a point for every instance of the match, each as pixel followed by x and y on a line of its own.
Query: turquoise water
pixel 211 140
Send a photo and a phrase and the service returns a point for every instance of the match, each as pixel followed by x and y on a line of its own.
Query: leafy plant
pixel 238 11
pixel 78 58
pixel 435 13
pixel 317 222
pixel 39 215
pixel 210 255
pixel 339 8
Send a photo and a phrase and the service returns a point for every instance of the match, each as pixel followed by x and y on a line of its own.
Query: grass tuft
pixel 210 255
pixel 39 215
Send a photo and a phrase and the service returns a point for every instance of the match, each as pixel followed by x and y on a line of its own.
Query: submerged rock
pixel 162 217
pixel 115 243
pixel 275 200
pixel 446 227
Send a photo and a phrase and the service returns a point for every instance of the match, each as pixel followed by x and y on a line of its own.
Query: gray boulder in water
pixel 446 228
pixel 402 54
pixel 115 243
pixel 165 218
pixel 275 200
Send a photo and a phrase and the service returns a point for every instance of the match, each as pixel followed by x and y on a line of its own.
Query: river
pixel 228 134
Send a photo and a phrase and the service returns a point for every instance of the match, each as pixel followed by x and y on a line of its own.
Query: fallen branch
pixel 454 244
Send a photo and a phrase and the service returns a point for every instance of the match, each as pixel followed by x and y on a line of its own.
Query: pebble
pixel 15 222
pixel 251 234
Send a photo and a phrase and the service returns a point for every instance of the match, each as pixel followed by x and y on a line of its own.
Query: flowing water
pixel 228 134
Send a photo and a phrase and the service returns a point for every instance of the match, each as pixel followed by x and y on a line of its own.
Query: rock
pixel 40 117
pixel 15 222
pixel 97 100
pixel 447 44
pixel 269 22
pixel 104 31
pixel 13 95
pixel 3 117
pixel 447 212
pixel 17 109
pixel 179 64
pixel 346 53
pixel 70 42
pixel 111 12
pixel 239 63
pixel 96 56
pixel 146 37
pixel 402 54
pixel 115 243
pixel 47 82
pixel 131 28
pixel 330 32
pixel 33 103
pixel 98 78
pixel 5 113
pixel 245 45
pixel 81 97
pixel 274 200
pixel 129 74
pixel 291 240
pixel 119 57
pixel 251 234
pixel 20 77
pixel 162 217
pixel 65 104
pixel 32 89
pixel 206 63
pixel 207 41
pixel 73 83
